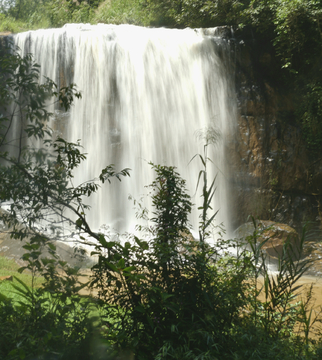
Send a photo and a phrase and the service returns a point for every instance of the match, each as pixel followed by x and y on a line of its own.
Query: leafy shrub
pixel 169 295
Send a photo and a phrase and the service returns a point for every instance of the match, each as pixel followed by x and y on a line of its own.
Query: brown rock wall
pixel 274 177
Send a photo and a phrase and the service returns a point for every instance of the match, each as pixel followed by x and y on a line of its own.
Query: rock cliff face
pixel 273 175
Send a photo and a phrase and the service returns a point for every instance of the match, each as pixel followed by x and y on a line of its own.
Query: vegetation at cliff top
pixel 159 294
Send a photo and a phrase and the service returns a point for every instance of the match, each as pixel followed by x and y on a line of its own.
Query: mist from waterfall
pixel 146 93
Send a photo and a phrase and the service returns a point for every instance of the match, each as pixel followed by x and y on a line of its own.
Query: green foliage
pixel 172 206
pixel 135 12
pixel 61 12
pixel 277 315
pixel 279 311
pixel 22 95
pixel 200 13
pixel 292 26
pixel 298 32
pixel 309 116
pixel 23 15
pixel 49 321
pixel 210 13
pixel 170 296
pixel 210 136
pixel 8 267
pixel 167 295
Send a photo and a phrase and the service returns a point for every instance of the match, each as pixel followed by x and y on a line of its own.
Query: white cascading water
pixel 146 93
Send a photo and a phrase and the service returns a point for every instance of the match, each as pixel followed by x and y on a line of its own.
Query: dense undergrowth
pixel 163 295
pixel 160 293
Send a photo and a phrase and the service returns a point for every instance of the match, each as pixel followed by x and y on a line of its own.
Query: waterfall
pixel 146 93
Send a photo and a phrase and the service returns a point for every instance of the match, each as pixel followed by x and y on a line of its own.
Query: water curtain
pixel 146 93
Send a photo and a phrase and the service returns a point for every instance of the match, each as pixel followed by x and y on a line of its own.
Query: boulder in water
pixel 273 235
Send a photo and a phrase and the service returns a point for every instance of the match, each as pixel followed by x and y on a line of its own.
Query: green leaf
pixel 103 242
pixel 121 264
pixel 111 266
pixel 129 268
pixel 140 309
pixel 166 296
pixel 79 222
pixel 4 298
pixel 20 270
pixel 51 246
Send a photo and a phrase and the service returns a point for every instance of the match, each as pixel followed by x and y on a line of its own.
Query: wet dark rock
pixel 273 176
pixel 272 236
